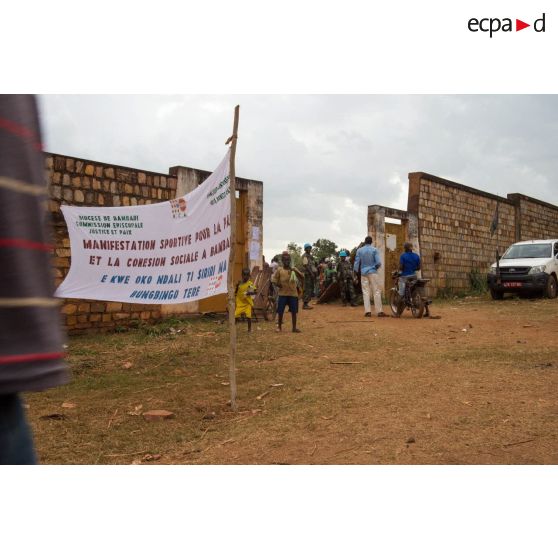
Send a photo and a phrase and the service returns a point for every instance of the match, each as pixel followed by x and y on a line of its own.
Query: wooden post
pixel 231 293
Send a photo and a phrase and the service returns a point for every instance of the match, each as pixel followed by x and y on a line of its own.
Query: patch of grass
pixel 478 282
pixel 445 293
pixel 450 389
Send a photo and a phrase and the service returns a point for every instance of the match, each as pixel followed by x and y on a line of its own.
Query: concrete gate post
pixel 377 230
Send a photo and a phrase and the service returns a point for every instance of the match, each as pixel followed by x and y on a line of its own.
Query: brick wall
pixel 80 182
pixel 454 228
pixel 536 219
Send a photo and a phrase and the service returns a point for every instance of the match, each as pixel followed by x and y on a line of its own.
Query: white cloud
pixel 167 109
pixel 323 158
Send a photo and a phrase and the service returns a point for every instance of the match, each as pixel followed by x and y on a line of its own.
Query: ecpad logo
pixel 493 25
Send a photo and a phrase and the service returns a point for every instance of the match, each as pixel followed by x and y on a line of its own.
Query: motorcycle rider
pixel 409 264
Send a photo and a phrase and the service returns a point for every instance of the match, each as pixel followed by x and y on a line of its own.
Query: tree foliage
pixel 324 248
pixel 296 254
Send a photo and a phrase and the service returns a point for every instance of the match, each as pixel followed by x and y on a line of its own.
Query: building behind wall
pixel 449 225
pixel 76 181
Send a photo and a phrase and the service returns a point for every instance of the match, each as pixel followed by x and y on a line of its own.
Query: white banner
pixel 165 253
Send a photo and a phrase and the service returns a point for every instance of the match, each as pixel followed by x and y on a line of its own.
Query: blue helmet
pixel 343 253
pixel 307 245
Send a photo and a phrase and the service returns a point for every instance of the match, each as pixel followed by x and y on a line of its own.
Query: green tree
pixel 296 254
pixel 324 248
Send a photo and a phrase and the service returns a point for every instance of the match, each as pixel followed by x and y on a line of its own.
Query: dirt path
pixel 478 385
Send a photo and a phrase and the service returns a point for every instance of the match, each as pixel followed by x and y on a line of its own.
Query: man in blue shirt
pixel 409 264
pixel 368 260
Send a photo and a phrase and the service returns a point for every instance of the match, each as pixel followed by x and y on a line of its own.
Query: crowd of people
pixel 351 271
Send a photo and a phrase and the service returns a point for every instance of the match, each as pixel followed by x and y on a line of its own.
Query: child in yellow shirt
pixel 245 291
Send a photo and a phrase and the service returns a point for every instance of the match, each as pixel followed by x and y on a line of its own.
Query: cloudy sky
pixel 322 158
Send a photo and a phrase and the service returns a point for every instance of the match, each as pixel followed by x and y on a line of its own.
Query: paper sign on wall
pixel 391 241
pixel 254 250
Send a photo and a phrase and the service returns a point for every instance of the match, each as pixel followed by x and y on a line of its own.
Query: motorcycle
pixel 413 299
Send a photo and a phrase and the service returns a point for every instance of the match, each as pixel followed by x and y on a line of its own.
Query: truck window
pixel 529 251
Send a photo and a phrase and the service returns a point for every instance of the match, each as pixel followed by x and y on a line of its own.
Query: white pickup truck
pixel 526 267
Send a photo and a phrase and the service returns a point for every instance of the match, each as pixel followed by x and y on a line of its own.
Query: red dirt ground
pixel 477 386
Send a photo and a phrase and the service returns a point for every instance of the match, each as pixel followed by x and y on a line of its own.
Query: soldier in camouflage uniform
pixel 310 274
pixel 346 278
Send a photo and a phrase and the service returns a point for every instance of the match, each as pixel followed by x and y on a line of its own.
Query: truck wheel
pixel 496 295
pixel 551 289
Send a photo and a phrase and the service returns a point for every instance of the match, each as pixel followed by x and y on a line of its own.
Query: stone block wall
pixel 76 181
pixel 449 223
pixel 536 219
pixel 454 230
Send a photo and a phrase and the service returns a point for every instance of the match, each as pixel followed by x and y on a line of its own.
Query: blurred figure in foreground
pixel 31 340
